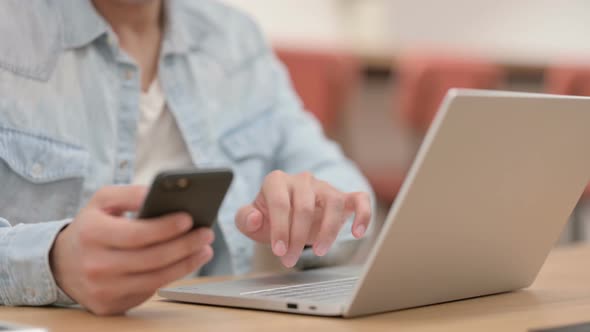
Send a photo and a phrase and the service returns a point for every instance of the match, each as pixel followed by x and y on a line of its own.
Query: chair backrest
pixel 568 80
pixel 323 80
pixel 425 79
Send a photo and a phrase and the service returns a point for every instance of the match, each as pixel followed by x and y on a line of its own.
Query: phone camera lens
pixel 182 183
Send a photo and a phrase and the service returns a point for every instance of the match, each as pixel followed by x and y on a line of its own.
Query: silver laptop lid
pixel 492 185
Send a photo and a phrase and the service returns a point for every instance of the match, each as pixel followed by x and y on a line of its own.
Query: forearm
pixel 25 272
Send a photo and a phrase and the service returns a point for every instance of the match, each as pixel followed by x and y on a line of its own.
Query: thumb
pixel 251 222
pixel 118 199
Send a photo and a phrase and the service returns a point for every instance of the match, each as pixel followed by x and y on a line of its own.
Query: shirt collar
pixel 82 24
pixel 187 27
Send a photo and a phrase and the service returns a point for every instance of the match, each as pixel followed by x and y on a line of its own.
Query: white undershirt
pixel 159 144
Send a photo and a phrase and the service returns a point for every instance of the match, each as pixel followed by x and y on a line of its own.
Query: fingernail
pixel 321 249
pixel 184 223
pixel 360 231
pixel 280 249
pixel 290 260
pixel 209 236
pixel 252 224
pixel 204 255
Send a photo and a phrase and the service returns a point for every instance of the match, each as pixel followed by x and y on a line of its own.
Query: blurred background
pixel 374 71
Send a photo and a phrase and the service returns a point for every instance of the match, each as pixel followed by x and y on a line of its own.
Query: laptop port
pixel 292 306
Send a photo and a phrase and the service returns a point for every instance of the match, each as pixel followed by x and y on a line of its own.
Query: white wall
pixel 313 21
pixel 531 30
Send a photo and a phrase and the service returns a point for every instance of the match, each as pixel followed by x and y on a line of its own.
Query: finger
pixel 126 291
pixel 303 212
pixel 276 193
pixel 115 305
pixel 250 221
pixel 164 254
pixel 153 280
pixel 154 257
pixel 334 203
pixel 124 233
pixel 118 199
pixel 360 204
pixel 121 305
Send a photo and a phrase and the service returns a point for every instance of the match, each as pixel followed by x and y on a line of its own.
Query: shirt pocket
pixel 41 179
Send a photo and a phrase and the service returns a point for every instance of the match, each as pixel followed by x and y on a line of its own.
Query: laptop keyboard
pixel 317 291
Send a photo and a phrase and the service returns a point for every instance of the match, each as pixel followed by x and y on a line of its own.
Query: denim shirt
pixel 69 103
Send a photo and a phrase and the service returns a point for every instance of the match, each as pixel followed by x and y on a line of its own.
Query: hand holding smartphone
pixel 198 192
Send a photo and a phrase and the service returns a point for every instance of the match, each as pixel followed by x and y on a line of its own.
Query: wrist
pixel 56 266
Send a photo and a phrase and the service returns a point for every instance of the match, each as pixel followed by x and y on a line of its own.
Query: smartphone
pixel 198 192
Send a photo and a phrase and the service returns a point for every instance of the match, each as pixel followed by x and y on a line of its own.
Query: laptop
pixel 493 183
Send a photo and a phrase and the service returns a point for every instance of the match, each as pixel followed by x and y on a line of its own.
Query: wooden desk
pixel 561 295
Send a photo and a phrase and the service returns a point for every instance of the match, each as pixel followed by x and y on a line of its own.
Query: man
pixel 98 96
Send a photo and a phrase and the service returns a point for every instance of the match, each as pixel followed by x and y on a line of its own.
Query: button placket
pixel 127 122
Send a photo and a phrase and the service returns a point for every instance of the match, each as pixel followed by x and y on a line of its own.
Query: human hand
pixel 109 264
pixel 292 211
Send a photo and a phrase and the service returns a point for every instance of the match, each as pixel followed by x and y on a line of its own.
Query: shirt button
pixel 128 74
pixel 112 41
pixel 37 170
pixel 123 164
pixel 30 292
